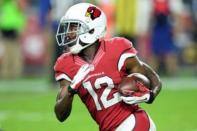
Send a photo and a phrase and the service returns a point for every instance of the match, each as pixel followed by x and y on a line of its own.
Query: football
pixel 133 83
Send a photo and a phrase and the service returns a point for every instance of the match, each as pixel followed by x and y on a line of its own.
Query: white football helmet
pixel 81 26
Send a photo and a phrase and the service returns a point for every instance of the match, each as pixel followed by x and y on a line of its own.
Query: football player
pixel 93 67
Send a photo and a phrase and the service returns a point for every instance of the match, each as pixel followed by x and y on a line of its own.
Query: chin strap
pixel 151 98
pixel 78 47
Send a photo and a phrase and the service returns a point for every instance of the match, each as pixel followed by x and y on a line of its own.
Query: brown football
pixel 134 82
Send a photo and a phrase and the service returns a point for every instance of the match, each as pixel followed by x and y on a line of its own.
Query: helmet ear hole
pixel 91 31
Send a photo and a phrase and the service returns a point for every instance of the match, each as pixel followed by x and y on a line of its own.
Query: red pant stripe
pixel 142 122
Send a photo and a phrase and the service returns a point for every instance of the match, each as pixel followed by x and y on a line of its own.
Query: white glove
pixel 136 99
pixel 79 77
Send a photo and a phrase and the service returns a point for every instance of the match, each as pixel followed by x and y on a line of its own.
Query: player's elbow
pixel 61 115
pixel 60 118
pixel 160 85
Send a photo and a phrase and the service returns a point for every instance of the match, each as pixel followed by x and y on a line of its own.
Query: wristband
pixel 151 99
pixel 71 90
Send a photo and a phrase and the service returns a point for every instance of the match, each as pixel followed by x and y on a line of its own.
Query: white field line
pixel 24 86
pixel 27 116
pixel 34 116
pixel 42 85
pixel 179 83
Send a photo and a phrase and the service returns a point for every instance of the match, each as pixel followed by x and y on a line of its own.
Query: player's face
pixel 68 33
pixel 72 34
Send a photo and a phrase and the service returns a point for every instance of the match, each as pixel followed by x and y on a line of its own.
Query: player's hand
pixel 78 78
pixel 139 98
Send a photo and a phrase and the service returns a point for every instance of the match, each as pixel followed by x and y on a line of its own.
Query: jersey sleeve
pixel 60 69
pixel 127 51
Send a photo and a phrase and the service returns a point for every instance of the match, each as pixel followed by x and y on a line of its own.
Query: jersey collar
pixel 97 58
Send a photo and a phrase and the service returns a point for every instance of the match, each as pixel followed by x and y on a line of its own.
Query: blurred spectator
pixel 126 19
pixel 186 34
pixel 50 13
pixel 108 7
pixel 11 25
pixel 33 48
pixel 165 14
pixel 191 6
pixel 142 28
pixel 2 51
pixel 164 31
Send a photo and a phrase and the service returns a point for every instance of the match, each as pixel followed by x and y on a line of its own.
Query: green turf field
pixel 27 105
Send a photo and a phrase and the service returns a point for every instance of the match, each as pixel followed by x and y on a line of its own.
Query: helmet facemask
pixel 68 35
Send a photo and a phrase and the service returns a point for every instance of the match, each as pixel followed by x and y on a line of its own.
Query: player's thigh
pixel 139 121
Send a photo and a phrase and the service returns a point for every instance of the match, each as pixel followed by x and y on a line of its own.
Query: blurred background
pixel 163 31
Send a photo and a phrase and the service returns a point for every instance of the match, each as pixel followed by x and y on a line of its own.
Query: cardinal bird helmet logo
pixel 93 12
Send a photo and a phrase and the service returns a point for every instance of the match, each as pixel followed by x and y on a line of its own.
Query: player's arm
pixel 134 65
pixel 64 100
pixel 68 89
